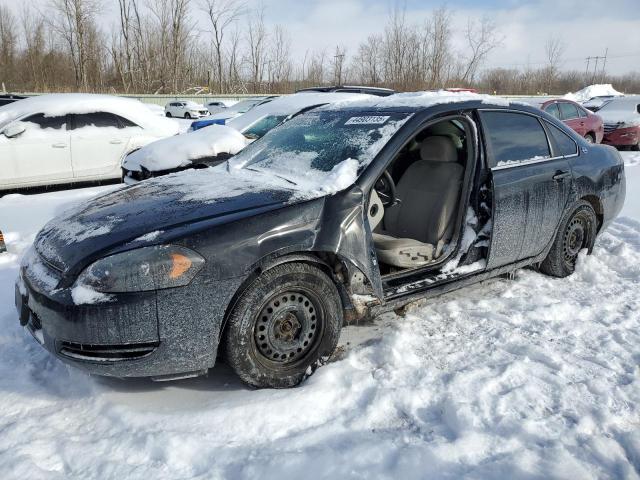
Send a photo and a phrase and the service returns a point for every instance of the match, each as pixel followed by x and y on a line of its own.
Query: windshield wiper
pixel 271 173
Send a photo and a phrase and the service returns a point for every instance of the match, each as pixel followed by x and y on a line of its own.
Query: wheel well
pixel 596 204
pixel 328 262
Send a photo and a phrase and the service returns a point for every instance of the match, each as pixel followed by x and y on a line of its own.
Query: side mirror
pixel 14 130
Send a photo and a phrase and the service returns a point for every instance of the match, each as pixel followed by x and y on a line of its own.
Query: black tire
pixel 590 138
pixel 168 114
pixel 187 115
pixel 283 326
pixel 577 231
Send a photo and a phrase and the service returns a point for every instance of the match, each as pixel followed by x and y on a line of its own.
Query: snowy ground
pixel 532 378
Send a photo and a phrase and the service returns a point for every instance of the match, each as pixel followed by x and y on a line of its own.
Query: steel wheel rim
pixel 574 239
pixel 288 328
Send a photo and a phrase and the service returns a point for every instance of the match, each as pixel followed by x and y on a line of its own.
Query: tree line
pixel 157 46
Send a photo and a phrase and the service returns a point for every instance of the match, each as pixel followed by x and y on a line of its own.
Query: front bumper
pixel 136 335
pixel 623 137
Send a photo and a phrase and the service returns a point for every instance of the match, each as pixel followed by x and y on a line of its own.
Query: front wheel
pixel 283 326
pixel 590 138
pixel 187 115
pixel 168 114
pixel 577 231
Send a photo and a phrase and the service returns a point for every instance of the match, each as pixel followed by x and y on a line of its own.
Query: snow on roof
pixel 65 103
pixel 422 100
pixel 290 104
pixel 597 90
pixel 180 150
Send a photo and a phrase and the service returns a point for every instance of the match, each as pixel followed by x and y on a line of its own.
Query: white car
pixel 212 145
pixel 67 138
pixel 215 106
pixel 185 109
pixel 243 106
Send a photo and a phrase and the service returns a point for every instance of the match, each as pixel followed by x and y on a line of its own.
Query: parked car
pixel 217 143
pixel 233 111
pixel 621 117
pixel 8 98
pixel 342 212
pixel 63 138
pixel 377 91
pixel 215 106
pixel 579 119
pixel 184 109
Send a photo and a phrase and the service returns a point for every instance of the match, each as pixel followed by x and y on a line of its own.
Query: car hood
pixel 157 210
pixel 618 116
pixel 181 150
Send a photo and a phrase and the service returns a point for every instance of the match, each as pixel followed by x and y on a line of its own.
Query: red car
pixel 577 118
pixel 622 122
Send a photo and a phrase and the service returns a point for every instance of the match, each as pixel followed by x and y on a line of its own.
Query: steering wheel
pixel 386 188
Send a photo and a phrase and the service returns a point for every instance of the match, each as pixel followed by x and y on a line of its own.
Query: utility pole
pixel 337 63
pixel 595 75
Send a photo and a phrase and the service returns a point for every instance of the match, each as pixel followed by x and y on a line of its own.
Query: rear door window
pixel 100 119
pixel 568 111
pixel 552 110
pixel 513 138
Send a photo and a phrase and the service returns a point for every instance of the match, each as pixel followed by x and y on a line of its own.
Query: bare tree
pixel 221 14
pixel 279 64
pixel 74 22
pixel 482 39
pixel 553 48
pixel 338 65
pixel 8 44
pixel 256 45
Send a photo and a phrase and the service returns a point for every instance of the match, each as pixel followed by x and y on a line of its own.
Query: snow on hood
pixel 290 104
pixel 181 150
pixel 65 103
pixel 621 110
pixel 597 90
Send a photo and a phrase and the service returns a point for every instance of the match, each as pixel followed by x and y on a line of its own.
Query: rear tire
pixel 590 138
pixel 577 231
pixel 283 326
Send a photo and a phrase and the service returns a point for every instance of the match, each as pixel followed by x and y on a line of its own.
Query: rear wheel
pixel 283 326
pixel 590 138
pixel 577 231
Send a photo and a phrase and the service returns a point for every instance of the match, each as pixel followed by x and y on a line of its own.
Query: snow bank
pixel 179 151
pixel 532 378
pixel 64 103
pixel 597 90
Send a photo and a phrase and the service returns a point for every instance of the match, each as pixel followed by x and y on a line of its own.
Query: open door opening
pixel 427 212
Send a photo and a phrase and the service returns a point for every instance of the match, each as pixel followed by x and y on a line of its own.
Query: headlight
pixel 143 269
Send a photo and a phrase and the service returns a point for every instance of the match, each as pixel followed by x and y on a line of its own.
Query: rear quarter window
pixel 513 138
pixel 563 144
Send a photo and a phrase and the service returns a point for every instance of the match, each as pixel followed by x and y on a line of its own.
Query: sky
pixel 586 27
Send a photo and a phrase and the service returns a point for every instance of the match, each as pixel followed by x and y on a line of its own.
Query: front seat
pixel 417 229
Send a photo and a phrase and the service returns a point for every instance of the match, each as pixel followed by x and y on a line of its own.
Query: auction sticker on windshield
pixel 367 120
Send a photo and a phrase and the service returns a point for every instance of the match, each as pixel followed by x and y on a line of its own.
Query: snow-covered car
pixel 215 106
pixel 213 145
pixel 621 116
pixel 185 109
pixel 234 111
pixel 346 211
pixel 66 138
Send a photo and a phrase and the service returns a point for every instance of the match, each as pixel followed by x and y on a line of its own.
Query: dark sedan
pixel 338 214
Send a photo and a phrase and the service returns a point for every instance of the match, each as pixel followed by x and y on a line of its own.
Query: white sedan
pixel 66 138
pixel 185 109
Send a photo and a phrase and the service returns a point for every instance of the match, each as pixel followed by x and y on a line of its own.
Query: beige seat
pixel 417 229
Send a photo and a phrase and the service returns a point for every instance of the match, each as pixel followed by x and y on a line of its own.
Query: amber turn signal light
pixel 179 265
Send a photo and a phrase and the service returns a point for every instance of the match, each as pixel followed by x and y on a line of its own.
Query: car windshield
pixel 617 106
pixel 243 106
pixel 261 127
pixel 319 141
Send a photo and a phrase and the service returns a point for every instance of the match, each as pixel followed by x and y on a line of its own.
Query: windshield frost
pixel 317 142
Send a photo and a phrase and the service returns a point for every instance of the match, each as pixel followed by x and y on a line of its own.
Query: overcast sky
pixel 587 27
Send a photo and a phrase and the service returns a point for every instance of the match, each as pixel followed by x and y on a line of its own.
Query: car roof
pixel 418 101
pixel 379 91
